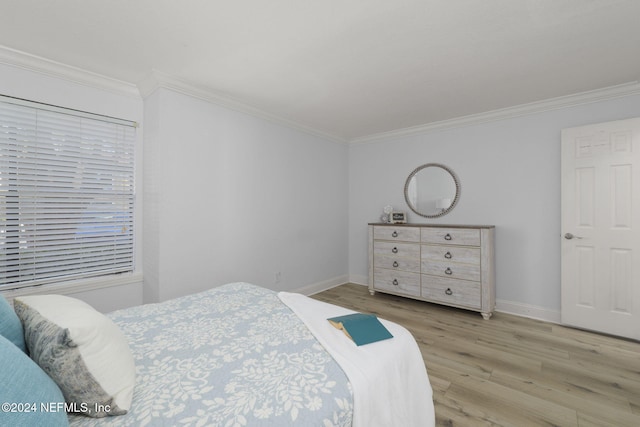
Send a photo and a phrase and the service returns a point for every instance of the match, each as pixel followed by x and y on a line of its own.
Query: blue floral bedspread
pixel 231 356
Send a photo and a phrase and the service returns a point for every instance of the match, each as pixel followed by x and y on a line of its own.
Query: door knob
pixel 570 236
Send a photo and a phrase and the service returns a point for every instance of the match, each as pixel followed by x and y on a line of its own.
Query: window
pixel 66 194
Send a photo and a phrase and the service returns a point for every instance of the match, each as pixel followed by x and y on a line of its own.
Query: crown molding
pixel 157 79
pixel 611 92
pixel 59 70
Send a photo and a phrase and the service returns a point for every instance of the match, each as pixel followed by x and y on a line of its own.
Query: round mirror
pixel 432 190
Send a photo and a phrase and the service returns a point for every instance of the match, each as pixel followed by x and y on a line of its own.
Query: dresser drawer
pixel 452 292
pixel 451 236
pixel 397 263
pixel 451 270
pixel 406 250
pixel 401 282
pixel 439 253
pixel 405 234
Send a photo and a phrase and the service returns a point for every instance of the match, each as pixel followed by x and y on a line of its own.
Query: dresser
pixel 444 264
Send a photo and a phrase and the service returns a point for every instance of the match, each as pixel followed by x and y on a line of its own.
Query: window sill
pixel 76 286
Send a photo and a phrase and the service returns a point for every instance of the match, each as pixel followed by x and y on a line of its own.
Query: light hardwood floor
pixel 510 370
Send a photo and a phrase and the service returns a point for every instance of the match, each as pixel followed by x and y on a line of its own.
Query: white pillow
pixel 82 350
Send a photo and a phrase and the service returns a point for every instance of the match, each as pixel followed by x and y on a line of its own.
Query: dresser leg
pixel 372 292
pixel 486 316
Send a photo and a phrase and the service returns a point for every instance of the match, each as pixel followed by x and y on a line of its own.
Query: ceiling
pixel 349 69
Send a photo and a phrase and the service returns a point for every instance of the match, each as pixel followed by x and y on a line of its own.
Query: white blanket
pixel 389 378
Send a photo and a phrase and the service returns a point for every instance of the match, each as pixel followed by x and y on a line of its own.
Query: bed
pixel 242 355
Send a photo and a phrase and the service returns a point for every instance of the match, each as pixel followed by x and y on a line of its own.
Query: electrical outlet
pixel 277 277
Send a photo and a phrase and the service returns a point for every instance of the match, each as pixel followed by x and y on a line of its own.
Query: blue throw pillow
pixel 10 326
pixel 28 396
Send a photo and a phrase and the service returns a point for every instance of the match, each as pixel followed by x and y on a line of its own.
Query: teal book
pixel 361 328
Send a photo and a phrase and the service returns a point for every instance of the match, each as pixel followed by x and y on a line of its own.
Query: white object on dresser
pixel 445 264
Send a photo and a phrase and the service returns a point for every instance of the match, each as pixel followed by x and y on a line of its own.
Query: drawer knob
pixel 448 255
pixel 394 234
pixel 394 250
pixel 395 282
pixel 448 271
pixel 448 291
pixel 447 236
pixel 395 264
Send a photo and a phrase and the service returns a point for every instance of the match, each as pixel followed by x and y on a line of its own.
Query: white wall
pixel 231 197
pixel 18 82
pixel 510 176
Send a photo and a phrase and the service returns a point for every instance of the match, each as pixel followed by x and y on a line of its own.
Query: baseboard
pixel 509 307
pixel 314 288
pixel 359 279
pixel 527 310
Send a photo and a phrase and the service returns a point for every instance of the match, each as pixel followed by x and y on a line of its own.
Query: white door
pixel 601 227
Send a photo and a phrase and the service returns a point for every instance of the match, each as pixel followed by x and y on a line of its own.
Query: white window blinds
pixel 66 194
